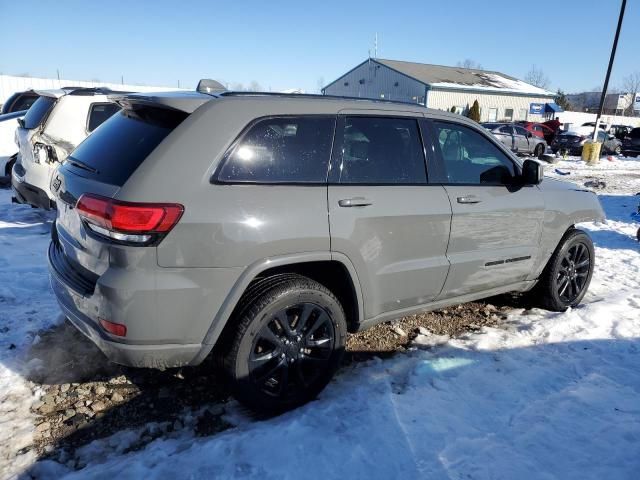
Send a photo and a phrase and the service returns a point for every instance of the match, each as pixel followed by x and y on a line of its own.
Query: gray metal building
pixel 500 96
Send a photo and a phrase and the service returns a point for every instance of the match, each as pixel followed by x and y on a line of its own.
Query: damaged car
pixel 57 122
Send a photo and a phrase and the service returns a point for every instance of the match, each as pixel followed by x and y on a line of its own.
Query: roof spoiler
pixel 207 85
pixel 186 102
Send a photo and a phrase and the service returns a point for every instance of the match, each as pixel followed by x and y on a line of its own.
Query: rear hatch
pixel 99 166
pixel 33 119
pixel 633 139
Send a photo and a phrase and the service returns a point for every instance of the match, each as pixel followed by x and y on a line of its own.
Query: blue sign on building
pixel 536 108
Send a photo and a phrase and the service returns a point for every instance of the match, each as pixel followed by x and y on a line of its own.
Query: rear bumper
pixel 29 194
pixel 76 308
pixel 628 150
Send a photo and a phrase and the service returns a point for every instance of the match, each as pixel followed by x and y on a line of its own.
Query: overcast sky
pixel 284 44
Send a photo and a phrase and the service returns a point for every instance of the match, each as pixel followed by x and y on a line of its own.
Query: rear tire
pixel 566 277
pixel 287 343
pixel 538 151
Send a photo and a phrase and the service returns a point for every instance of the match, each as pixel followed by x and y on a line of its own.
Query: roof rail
pixel 315 96
pixel 93 91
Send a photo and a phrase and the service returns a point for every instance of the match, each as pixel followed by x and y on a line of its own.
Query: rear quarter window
pixel 116 149
pixel 99 113
pixel 281 150
pixel 635 133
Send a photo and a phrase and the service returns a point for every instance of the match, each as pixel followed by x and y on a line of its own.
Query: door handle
pixel 469 199
pixel 354 202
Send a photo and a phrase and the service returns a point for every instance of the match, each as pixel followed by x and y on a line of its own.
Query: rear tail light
pixel 113 328
pixel 125 222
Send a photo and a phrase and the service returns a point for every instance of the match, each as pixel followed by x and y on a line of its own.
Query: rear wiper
pixel 79 164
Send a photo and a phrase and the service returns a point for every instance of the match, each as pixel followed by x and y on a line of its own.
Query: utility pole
pixel 606 79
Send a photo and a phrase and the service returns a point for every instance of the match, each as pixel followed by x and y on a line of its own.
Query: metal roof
pixel 458 78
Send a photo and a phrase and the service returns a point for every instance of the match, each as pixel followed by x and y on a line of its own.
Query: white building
pixel 500 96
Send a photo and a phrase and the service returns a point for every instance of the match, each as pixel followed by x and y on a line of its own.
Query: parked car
pixel 620 131
pixel 572 142
pixel 238 224
pixel 54 125
pixel 631 143
pixel 8 148
pixel 539 130
pixel 517 139
pixel 19 101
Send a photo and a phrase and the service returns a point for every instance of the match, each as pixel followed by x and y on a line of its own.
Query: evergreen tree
pixel 561 99
pixel 474 111
pixel 453 109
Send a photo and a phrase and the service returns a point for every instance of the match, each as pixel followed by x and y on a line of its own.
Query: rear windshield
pixel 635 133
pixel 38 112
pixel 114 151
pixel 24 102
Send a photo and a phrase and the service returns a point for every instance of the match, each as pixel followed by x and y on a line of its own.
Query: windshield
pixel 38 111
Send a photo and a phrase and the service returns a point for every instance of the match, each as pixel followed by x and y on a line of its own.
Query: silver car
pixel 261 228
pixel 517 139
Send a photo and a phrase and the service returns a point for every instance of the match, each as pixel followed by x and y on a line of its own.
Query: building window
pixel 522 114
pixel 508 114
pixel 493 115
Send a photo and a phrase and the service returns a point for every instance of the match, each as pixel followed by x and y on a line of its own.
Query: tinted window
pixel 24 102
pixel 469 157
pixel 116 149
pixel 635 133
pixel 521 131
pixel 381 150
pixel 38 112
pixel 98 113
pixel 282 150
pixel 506 130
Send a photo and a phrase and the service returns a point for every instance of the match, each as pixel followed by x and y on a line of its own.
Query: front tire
pixel 287 344
pixel 566 277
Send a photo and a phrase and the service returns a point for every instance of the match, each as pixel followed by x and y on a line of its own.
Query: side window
pixel 471 158
pixel 282 150
pixel 99 113
pixel 381 150
pixel 506 129
pixel 521 131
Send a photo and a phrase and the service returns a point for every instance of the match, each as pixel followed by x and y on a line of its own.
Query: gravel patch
pixel 80 396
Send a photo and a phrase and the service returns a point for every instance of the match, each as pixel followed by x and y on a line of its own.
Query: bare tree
pixel 254 86
pixel 536 77
pixel 631 86
pixel 469 63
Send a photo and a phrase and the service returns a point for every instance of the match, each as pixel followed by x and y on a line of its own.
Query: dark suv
pixel 265 227
pixel 631 143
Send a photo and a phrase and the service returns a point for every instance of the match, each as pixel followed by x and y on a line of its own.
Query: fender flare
pixel 252 271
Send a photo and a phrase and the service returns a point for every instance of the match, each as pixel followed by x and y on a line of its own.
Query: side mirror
pixel 532 172
pixel 529 134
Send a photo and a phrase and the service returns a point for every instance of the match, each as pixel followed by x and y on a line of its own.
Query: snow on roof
pixel 440 76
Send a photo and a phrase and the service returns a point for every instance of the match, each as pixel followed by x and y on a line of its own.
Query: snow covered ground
pixel 543 396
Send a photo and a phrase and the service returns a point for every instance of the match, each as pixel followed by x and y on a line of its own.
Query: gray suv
pixel 262 228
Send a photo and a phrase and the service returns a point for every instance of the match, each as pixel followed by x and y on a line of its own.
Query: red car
pixel 539 130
